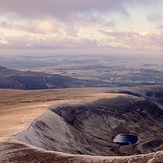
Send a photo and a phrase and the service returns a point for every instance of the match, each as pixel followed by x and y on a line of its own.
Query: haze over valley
pixel 100 70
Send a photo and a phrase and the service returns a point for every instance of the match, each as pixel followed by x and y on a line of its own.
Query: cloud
pixel 154 17
pixel 65 10
pixel 3 41
pixel 155 39
pixel 5 24
pixel 132 40
pixel 60 9
pixel 46 26
pixel 31 42
pixel 119 34
pixel 82 24
pixel 42 26
pixel 52 15
pixel 160 27
pixel 111 42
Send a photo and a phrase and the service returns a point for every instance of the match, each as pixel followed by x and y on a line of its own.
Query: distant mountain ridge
pixel 14 79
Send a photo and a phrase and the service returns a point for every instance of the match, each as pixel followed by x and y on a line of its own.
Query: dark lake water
pixel 125 139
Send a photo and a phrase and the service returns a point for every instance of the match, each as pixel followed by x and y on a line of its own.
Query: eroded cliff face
pixel 91 127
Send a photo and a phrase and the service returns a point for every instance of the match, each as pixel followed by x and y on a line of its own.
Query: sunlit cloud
pixel 3 41
pixel 27 41
pixel 151 39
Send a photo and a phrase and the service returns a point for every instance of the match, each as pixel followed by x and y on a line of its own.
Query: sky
pixel 87 26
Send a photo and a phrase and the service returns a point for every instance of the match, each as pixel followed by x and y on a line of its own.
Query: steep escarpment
pixel 91 128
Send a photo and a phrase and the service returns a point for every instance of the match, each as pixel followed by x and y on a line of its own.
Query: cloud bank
pixel 83 24
pixel 64 10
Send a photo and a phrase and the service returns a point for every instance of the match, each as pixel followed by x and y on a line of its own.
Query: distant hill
pixel 14 79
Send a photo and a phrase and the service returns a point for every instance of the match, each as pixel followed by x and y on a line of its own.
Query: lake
pixel 125 139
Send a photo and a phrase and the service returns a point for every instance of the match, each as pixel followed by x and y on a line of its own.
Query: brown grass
pixel 16 98
pixel 18 108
